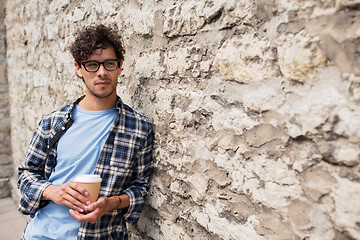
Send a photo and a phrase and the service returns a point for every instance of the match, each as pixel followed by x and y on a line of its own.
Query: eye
pixel 92 64
pixel 110 63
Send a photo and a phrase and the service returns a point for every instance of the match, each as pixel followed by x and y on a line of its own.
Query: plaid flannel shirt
pixel 125 164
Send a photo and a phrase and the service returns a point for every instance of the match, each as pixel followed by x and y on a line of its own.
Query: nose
pixel 102 71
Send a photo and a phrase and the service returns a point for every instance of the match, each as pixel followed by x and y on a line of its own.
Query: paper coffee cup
pixel 91 183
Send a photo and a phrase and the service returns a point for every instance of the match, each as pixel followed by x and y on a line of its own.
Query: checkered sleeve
pixel 140 180
pixel 31 180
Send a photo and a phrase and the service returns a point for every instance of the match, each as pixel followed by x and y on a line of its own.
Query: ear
pixel 78 69
pixel 121 63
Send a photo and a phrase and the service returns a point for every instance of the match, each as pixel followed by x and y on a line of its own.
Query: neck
pixel 92 103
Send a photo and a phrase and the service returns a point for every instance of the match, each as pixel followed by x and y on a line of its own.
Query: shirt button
pixel 63 128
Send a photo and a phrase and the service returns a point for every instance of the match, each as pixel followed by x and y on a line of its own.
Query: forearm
pixel 31 194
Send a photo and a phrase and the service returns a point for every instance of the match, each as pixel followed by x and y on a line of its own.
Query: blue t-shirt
pixel 77 153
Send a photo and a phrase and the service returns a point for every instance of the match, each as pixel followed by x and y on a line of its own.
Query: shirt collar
pixel 119 105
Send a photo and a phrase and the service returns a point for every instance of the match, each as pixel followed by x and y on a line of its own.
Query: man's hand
pixel 69 194
pixel 100 207
pixel 97 210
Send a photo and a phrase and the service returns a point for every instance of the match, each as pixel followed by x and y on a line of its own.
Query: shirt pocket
pixel 125 149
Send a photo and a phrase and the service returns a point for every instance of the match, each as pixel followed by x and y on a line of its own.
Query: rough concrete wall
pixel 5 145
pixel 255 106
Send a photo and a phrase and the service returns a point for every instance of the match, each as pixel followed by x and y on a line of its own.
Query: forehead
pixel 103 53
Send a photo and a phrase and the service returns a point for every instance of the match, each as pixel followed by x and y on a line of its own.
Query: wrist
pixel 45 194
pixel 118 198
pixel 122 201
pixel 116 202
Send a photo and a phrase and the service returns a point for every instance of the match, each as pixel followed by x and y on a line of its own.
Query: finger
pixel 77 215
pixel 90 217
pixel 78 191
pixel 78 188
pixel 93 216
pixel 100 203
pixel 72 195
pixel 69 197
pixel 70 204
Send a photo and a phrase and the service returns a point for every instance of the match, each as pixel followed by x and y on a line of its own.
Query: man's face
pixel 102 83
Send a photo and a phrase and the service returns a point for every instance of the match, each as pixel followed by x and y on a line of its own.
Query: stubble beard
pixel 104 95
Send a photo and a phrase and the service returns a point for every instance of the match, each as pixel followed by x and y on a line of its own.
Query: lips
pixel 103 83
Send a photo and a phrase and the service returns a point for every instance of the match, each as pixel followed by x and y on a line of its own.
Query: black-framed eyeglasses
pixel 109 65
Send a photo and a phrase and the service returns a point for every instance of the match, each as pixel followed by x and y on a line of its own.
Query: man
pixel 97 134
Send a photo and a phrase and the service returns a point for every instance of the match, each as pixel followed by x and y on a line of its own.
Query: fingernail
pixel 81 210
pixel 86 193
pixel 88 203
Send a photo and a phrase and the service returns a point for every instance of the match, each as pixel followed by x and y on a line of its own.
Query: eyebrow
pixel 109 59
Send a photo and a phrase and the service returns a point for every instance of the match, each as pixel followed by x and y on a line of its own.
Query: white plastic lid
pixel 90 178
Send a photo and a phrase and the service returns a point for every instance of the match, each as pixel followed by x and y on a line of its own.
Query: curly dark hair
pixel 93 37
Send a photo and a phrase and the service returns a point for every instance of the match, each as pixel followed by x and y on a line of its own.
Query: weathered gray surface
pixel 5 144
pixel 255 106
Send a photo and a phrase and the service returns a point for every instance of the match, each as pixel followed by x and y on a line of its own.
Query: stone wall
pixel 255 105
pixel 5 146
